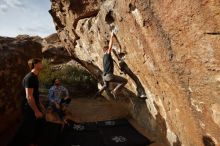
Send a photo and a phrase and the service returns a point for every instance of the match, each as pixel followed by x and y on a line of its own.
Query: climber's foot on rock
pixel 143 96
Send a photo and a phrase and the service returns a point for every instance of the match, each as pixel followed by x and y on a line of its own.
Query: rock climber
pixel 108 71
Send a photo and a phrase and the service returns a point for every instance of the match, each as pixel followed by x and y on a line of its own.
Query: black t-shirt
pixel 108 64
pixel 31 81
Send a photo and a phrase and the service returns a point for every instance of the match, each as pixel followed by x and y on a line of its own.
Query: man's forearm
pixel 32 104
pixel 42 108
pixel 66 97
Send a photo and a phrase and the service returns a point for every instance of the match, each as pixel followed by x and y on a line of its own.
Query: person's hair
pixel 54 80
pixel 32 62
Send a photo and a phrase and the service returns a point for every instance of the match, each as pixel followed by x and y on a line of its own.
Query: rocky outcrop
pixel 171 52
pixel 14 54
pixel 54 50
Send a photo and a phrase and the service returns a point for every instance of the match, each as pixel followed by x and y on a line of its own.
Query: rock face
pixel 54 50
pixel 172 51
pixel 14 54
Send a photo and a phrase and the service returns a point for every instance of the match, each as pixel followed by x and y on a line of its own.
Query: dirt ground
pixel 88 109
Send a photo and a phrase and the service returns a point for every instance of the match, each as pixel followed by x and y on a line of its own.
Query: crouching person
pixel 58 99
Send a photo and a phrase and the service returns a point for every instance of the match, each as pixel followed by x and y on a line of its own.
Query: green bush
pixel 70 76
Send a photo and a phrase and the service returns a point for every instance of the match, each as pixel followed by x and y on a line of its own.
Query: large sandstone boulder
pixel 54 50
pixel 171 51
pixel 14 54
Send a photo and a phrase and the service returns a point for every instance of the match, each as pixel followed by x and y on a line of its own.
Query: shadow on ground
pixel 105 133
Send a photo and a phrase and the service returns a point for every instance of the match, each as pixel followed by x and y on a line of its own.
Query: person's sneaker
pixel 114 94
pixel 143 96
pixel 65 121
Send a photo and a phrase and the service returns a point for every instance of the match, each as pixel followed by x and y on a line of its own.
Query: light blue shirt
pixel 56 93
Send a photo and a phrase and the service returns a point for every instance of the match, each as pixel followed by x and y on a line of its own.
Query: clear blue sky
pixel 25 17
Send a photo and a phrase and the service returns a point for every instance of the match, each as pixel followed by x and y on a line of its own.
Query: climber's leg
pixel 104 87
pixel 121 83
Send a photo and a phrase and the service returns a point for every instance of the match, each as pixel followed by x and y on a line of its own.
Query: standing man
pixel 108 71
pixel 28 133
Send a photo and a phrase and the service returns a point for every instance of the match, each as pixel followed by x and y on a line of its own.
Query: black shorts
pixel 29 131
